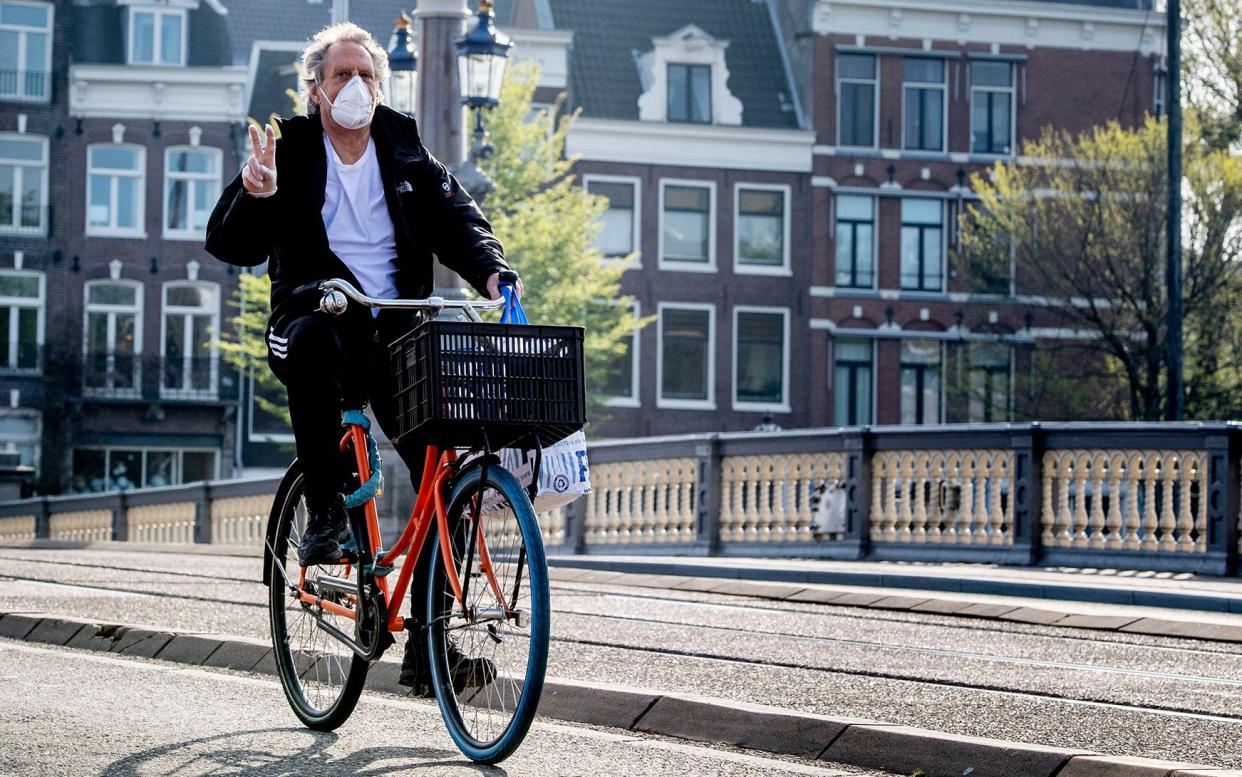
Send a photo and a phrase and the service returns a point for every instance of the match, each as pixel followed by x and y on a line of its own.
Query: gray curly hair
pixel 311 67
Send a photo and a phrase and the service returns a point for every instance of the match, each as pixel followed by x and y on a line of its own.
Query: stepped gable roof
pixel 609 37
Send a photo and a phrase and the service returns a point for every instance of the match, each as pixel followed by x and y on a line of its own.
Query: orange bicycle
pixel 467 385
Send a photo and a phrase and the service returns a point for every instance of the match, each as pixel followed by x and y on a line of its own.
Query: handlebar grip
pixel 508 276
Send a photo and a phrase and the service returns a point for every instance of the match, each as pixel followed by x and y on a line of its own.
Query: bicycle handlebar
pixel 337 293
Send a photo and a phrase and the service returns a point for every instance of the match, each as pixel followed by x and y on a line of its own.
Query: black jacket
pixel 431 213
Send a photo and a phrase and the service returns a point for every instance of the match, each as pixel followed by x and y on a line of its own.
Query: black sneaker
pixel 321 543
pixel 466 672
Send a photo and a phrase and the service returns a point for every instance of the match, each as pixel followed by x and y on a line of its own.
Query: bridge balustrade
pixel 1143 496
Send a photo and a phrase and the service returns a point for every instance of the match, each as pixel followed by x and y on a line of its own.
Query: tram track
pixel 688 598
pixel 754 661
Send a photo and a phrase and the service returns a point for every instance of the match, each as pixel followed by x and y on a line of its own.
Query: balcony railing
pixel 26 220
pixel 111 375
pixel 33 85
pixel 1136 496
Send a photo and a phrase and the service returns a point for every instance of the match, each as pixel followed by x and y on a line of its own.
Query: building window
pixel 23 185
pixel 687 360
pixel 761 359
pixel 922 245
pixel 686 225
pixel 21 319
pixel 920 382
pixel 855 241
pixel 991 114
pixel 113 338
pixel 191 187
pixel 762 229
pixel 25 50
pixel 269 412
pixel 191 320
pixel 115 190
pixel 156 36
pixel 990 382
pixel 621 386
pixel 852 381
pixel 690 93
pixel 618 235
pixel 856 101
pixel 120 469
pixel 1160 99
pixel 21 431
pixel 924 104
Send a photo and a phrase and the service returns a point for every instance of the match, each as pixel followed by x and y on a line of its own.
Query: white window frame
pixel 682 266
pixel 832 376
pixel 186 315
pixel 637 182
pixel 901 365
pixel 111 310
pixel 14 303
pixel 944 108
pixel 9 442
pixel 836 237
pixel 18 229
pixel 158 12
pixel 944 246
pixel 148 449
pixel 112 230
pixel 743 268
pixel 687 404
pixel 631 400
pixel 20 95
pixel 1012 91
pixel 761 407
pixel 876 86
pixel 171 177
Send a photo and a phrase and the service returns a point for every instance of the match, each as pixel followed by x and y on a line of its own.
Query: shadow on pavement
pixel 252 753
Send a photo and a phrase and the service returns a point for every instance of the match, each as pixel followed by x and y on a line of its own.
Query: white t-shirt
pixel 359 228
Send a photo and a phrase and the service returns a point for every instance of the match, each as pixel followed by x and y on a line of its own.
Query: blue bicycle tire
pixel 479 720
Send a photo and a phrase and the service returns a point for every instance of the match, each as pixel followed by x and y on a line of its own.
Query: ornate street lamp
pixel 481 58
pixel 403 62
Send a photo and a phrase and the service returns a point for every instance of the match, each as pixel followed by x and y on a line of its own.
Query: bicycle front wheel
pixel 322 677
pixel 488 663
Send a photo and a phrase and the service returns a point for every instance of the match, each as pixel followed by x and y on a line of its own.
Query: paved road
pixel 1116 693
pixel 76 713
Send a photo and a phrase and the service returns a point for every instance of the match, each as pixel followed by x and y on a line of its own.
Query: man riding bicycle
pixel 360 198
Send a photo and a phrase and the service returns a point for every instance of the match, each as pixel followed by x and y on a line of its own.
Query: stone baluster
pixel 1099 521
pixel 1151 511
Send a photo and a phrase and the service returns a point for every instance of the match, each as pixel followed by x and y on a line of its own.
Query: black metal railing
pixel 111 375
pixel 25 84
pixel 31 220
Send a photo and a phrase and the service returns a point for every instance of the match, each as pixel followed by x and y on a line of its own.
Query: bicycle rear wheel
pixel 321 676
pixel 489 722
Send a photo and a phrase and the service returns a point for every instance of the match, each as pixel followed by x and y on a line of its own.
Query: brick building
pixel 788 172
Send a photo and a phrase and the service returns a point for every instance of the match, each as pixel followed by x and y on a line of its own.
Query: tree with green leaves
pixel 548 226
pixel 1083 219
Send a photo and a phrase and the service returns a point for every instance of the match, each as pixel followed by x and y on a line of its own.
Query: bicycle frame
pixel 428 507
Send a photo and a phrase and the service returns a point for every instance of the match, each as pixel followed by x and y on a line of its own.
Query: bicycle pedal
pixel 379 570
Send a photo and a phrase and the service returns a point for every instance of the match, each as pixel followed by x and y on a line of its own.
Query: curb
pixel 855 742
pixel 572 570
pixel 908 581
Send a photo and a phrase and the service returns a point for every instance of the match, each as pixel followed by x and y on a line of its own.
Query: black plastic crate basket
pixel 454 378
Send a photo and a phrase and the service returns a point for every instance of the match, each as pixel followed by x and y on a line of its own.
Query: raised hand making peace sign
pixel 259 173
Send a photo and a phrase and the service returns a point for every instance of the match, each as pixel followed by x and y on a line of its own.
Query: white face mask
pixel 353 106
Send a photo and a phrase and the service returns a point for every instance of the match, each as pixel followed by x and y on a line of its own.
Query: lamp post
pixel 402 89
pixel 482 55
